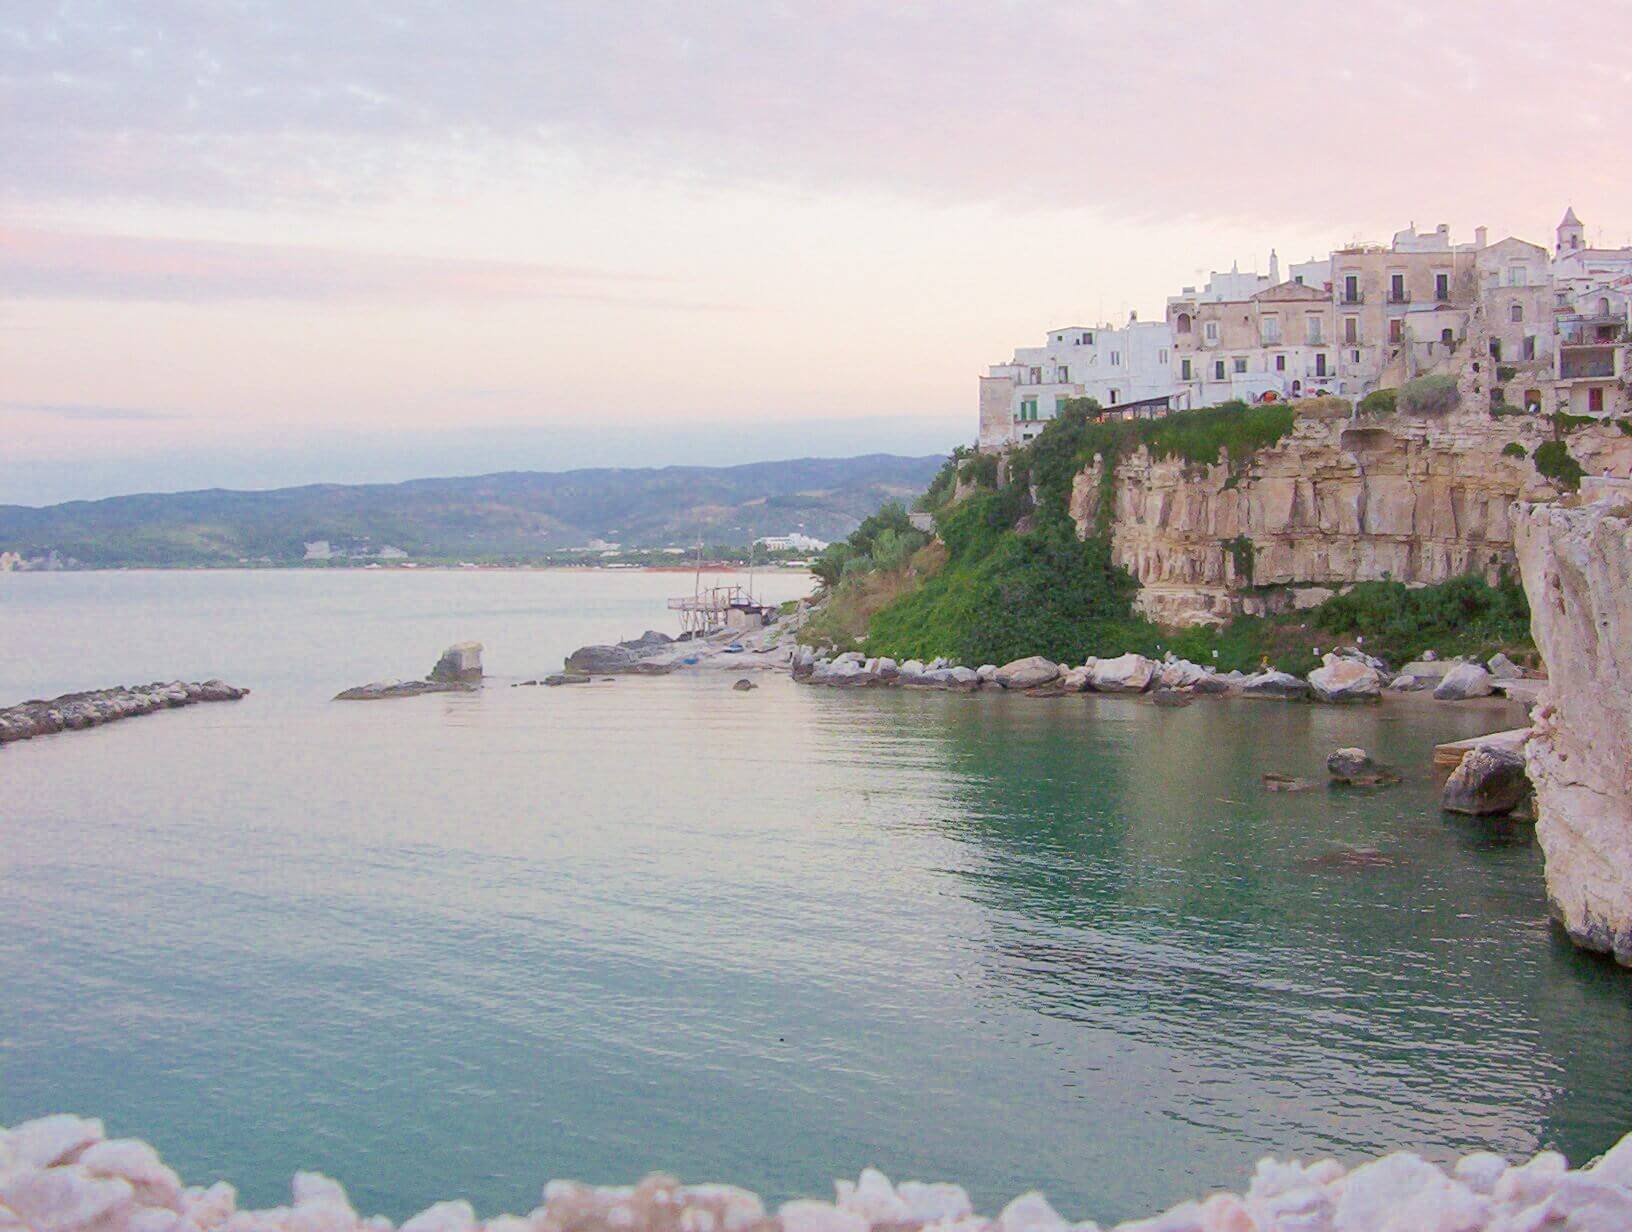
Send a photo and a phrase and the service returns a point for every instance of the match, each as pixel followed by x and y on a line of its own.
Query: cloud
pixel 88 414
pixel 1186 109
pixel 38 263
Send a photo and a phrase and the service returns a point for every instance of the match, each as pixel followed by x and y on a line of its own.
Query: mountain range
pixel 514 515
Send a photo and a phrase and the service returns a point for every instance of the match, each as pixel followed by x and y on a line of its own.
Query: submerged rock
pixel 390 690
pixel 1275 781
pixel 1489 782
pixel 1282 685
pixel 561 678
pixel 744 685
pixel 1355 767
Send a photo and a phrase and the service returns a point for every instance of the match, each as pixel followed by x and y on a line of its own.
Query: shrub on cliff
pixel 1554 461
pixel 1464 615
pixel 1429 395
pixel 1379 402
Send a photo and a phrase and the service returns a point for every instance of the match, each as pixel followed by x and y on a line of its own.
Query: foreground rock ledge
pixel 76 711
pixel 60 1174
pixel 1576 563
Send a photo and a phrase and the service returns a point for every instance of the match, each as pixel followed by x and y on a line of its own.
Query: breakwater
pixel 62 1174
pixel 77 711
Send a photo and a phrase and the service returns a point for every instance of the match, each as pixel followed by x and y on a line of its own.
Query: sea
pixel 456 945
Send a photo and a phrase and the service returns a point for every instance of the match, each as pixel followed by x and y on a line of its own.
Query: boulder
pixel 1282 685
pixel 1181 674
pixel 1408 684
pixel 1346 680
pixel 744 685
pixel 804 662
pixel 1490 781
pixel 1503 668
pixel 886 669
pixel 1355 767
pixel 1077 680
pixel 1462 682
pixel 1129 673
pixel 461 661
pixel 987 672
pixel 1426 668
pixel 595 660
pixel 1360 656
pixel 1027 673
pixel 963 678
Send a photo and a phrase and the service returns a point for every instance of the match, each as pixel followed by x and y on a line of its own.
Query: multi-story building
pixel 1592 312
pixel 1127 367
pixel 1251 337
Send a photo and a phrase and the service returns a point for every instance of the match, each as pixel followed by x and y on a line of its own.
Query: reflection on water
pixel 458 944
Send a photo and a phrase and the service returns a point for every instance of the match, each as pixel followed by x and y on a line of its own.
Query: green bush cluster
pixel 1379 402
pixel 1429 395
pixel 1554 461
pixel 1514 450
pixel 883 541
pixel 1465 615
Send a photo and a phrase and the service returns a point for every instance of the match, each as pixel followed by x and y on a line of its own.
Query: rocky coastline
pixel 62 1174
pixel 78 711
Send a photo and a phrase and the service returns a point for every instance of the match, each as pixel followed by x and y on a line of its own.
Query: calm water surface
pixel 457 945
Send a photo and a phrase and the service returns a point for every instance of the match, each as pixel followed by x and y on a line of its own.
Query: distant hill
pixel 519 515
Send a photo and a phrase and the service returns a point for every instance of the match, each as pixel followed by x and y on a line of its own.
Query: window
pixel 1529 346
pixel 1396 288
pixel 1517 276
pixel 1351 329
pixel 1313 333
pixel 1028 408
pixel 1116 396
pixel 1442 287
pixel 1240 364
pixel 1516 312
pixel 1396 330
pixel 1161 356
pixel 1181 323
pixel 1212 331
pixel 1280 363
pixel 1270 330
pixel 1036 377
pixel 1218 370
pixel 1354 357
pixel 1064 375
pixel 1320 364
pixel 1351 288
pixel 1595 400
pixel 1086 340
pixel 1116 359
pixel 1447 337
pixel 1184 370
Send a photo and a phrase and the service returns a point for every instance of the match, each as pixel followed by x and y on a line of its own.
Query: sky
pixel 250 244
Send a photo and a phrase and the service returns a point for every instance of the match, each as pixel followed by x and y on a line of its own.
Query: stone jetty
pixel 77 711
pixel 459 670
pixel 62 1174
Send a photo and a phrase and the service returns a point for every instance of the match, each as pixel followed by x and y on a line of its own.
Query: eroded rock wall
pixel 1337 501
pixel 1576 562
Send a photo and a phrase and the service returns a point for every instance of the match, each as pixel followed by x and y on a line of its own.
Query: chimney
pixel 1480 235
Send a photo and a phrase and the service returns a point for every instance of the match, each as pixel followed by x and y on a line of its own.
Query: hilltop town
pixel 1514 324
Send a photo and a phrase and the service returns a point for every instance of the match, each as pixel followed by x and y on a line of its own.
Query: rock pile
pixel 60 1174
pixel 459 670
pixel 76 711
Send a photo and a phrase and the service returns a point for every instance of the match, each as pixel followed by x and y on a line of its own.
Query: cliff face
pixel 1577 568
pixel 1337 501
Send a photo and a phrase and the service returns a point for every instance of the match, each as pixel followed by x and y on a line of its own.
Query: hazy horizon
pixel 287 242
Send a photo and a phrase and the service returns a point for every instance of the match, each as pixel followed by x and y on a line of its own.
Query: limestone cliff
pixel 1576 562
pixel 1339 500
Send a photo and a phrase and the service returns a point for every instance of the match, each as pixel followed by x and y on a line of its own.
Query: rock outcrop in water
pixel 459 670
pixel 1416 499
pixel 76 711
pixel 60 1174
pixel 1577 568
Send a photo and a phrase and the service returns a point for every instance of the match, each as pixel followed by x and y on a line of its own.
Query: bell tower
pixel 1572 236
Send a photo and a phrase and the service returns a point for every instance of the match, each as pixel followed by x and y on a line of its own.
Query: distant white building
pixel 794 542
pixel 1124 367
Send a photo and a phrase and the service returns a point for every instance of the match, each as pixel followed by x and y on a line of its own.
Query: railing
pixel 1403 297
pixel 1359 297
pixel 1586 363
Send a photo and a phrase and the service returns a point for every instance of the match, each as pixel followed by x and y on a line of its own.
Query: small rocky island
pixel 77 711
pixel 459 670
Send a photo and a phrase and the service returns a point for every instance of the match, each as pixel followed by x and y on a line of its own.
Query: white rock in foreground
pixel 1344 679
pixel 1129 673
pixel 1577 569
pixel 57 1174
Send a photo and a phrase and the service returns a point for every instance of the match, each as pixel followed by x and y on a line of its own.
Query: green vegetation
pixel 883 541
pixel 1506 372
pixel 1379 402
pixel 1465 615
pixel 1429 395
pixel 1564 423
pixel 1514 450
pixel 1553 461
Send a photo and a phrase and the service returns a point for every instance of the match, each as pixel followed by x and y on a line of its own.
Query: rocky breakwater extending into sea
pixel 657 654
pixel 1576 562
pixel 62 1174
pixel 77 711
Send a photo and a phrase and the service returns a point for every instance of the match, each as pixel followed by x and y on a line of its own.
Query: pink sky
pixel 311 227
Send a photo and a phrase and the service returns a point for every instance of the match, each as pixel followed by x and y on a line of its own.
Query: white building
pixel 1127 367
pixel 794 542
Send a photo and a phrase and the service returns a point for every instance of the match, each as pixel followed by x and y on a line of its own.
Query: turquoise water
pixel 457 945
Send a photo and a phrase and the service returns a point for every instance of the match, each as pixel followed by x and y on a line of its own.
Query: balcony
pixel 1401 297
pixel 1586 363
pixel 1359 297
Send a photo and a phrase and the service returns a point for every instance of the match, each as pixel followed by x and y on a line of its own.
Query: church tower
pixel 1571 234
